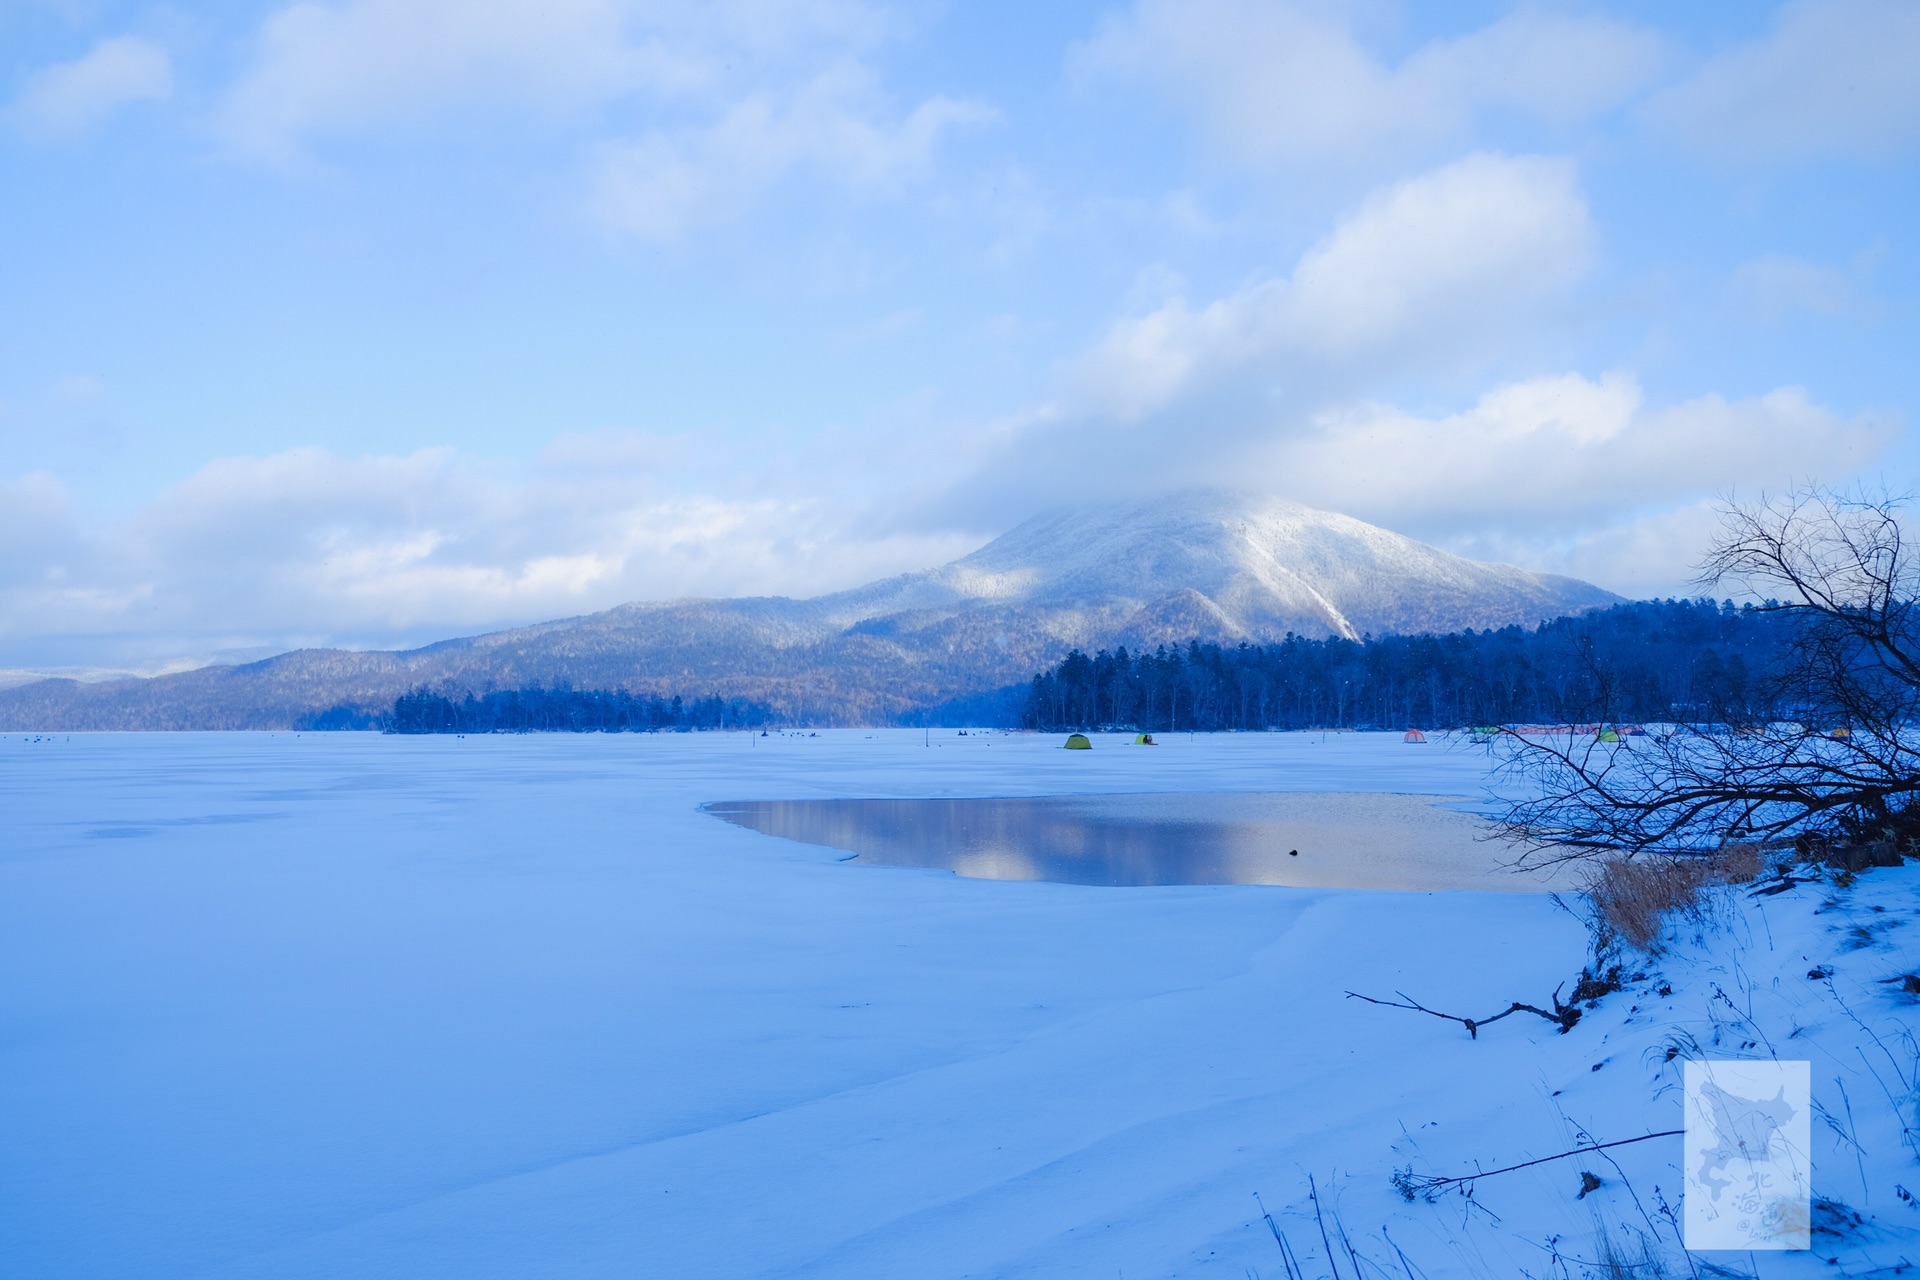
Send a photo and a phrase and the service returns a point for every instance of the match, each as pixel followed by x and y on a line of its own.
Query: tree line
pixel 1671 660
pixel 1824 753
pixel 567 711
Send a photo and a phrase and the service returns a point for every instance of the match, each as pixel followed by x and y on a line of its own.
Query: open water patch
pixel 1327 840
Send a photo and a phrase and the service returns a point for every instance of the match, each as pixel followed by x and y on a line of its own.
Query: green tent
pixel 1144 740
pixel 1608 735
pixel 1079 742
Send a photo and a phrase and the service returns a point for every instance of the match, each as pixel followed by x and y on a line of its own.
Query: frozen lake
pixel 341 1004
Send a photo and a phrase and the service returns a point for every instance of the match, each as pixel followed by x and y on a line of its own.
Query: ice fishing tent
pixel 1144 740
pixel 1079 742
pixel 1607 735
pixel 1414 735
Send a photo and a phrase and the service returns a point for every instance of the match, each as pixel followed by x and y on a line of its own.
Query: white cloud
pixel 328 70
pixel 1833 77
pixel 309 546
pixel 689 113
pixel 1641 557
pixel 1549 455
pixel 1428 268
pixel 1479 240
pixel 74 97
pixel 833 127
pixel 1294 81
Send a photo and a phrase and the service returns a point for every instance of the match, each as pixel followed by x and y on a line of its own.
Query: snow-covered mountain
pixel 1209 564
pixel 1230 565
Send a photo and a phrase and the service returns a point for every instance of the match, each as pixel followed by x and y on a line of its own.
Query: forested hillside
pixel 1656 660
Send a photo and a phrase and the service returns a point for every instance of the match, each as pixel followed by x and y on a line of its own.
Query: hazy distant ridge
pixel 1211 565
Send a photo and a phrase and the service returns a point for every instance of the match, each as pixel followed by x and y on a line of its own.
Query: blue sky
pixel 374 321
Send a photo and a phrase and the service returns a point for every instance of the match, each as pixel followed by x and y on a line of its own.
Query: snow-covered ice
pixel 348 1005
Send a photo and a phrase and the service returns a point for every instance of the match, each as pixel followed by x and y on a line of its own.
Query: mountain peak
pixel 1267 565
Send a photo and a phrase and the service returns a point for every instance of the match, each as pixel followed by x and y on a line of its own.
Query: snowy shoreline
pixel 317 1005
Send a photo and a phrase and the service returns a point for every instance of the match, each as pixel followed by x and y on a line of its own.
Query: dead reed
pixel 1634 897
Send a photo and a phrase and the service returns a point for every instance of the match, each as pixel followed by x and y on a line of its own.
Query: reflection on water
pixel 1321 840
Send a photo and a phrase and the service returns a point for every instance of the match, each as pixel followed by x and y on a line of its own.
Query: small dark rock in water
pixel 1293 853
pixel 1588 1182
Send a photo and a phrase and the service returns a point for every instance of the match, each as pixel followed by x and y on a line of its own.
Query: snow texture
pixel 347 1005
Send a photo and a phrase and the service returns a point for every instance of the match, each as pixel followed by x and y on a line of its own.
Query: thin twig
pixel 1313 1194
pixel 1427 1185
pixel 1406 1264
pixel 1287 1259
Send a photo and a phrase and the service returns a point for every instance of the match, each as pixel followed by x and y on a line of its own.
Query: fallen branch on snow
pixel 1563 1015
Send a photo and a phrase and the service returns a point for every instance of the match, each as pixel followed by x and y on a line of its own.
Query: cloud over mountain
pixel 1210 565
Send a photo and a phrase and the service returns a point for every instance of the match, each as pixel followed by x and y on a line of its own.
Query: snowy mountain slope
pixel 1269 565
pixel 1209 564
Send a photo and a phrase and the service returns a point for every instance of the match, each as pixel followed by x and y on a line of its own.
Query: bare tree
pixel 1830 761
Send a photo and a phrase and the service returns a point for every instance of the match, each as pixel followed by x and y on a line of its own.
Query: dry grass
pixel 1634 897
pixel 1643 1260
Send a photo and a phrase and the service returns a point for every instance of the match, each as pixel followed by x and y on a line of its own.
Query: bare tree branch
pixel 1828 755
